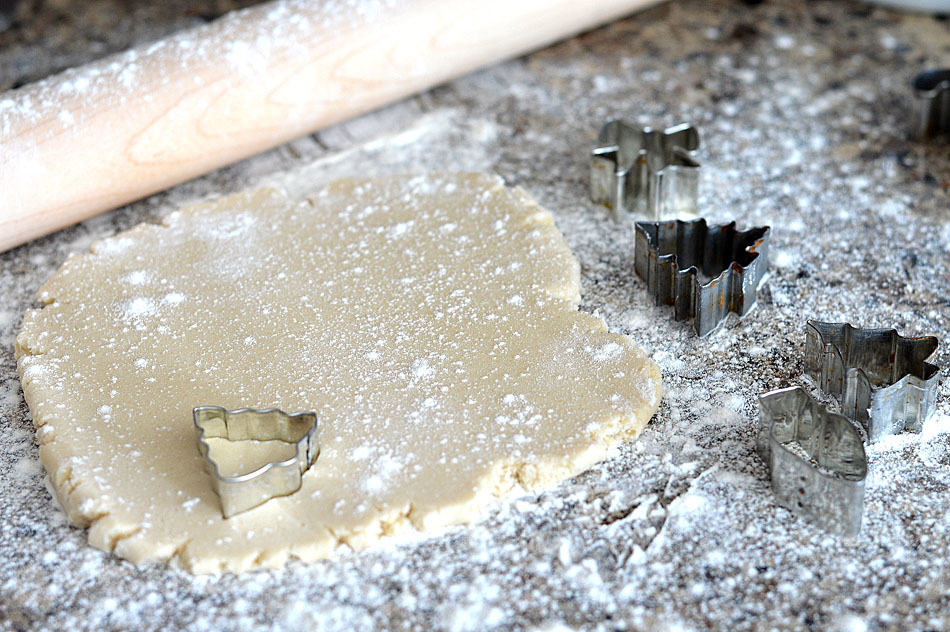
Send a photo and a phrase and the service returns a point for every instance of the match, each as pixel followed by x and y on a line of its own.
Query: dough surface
pixel 430 322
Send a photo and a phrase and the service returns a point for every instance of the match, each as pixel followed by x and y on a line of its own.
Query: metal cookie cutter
pixel 279 478
pixel 881 378
pixel 703 271
pixel 827 487
pixel 647 172
pixel 931 104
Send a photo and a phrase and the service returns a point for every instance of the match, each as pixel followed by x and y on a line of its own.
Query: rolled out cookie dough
pixel 431 323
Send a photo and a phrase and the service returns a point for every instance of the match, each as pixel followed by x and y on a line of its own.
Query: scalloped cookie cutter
pixel 703 271
pixel 826 485
pixel 882 379
pixel 278 478
pixel 645 172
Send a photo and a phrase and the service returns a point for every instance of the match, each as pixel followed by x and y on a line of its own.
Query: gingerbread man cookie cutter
pixel 644 172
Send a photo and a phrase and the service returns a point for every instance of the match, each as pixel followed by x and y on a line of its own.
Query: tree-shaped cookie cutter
pixel 824 482
pixel 645 172
pixel 881 379
pixel 703 271
pixel 278 478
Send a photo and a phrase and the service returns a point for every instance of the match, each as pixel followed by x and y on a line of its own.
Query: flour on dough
pixel 431 323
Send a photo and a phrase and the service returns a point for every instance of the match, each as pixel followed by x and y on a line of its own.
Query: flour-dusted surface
pixel 430 321
pixel 802 110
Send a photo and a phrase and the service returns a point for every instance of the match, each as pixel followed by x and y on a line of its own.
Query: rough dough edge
pixel 504 481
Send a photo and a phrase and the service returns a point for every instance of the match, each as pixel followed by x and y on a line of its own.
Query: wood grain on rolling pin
pixel 99 136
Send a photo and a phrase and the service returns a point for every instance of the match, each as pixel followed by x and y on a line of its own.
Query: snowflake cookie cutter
pixel 645 172
pixel 882 379
pixel 931 104
pixel 823 479
pixel 277 478
pixel 704 272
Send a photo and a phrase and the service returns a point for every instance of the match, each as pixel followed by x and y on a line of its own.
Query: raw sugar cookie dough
pixel 430 322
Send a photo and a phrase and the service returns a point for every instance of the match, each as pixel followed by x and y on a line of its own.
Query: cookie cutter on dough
pixel 278 478
pixel 931 104
pixel 645 172
pixel 816 458
pixel 882 379
pixel 703 271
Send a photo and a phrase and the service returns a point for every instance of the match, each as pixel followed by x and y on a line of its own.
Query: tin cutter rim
pixel 277 478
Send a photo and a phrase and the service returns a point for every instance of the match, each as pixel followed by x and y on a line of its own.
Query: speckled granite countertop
pixel 802 108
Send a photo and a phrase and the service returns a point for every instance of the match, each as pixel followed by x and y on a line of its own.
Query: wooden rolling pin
pixel 99 136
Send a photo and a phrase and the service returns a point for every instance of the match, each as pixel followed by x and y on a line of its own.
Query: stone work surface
pixel 803 109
